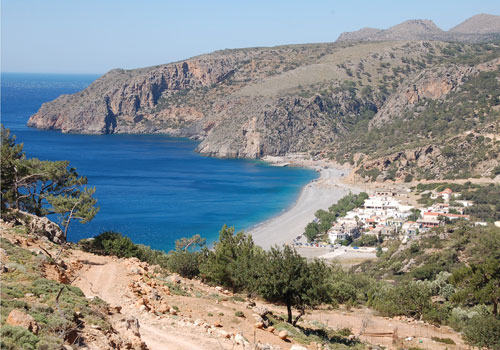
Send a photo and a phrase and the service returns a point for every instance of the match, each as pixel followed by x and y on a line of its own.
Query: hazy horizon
pixel 63 37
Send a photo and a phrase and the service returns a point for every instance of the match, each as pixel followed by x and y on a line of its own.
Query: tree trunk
pixel 301 313
pixel 289 309
pixel 495 306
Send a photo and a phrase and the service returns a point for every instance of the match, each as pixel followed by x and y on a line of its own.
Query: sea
pixel 152 188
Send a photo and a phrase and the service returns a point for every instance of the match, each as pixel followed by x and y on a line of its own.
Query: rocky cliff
pixel 317 98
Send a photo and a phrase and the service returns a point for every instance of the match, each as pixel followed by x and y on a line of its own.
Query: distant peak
pixel 476 28
pixel 478 24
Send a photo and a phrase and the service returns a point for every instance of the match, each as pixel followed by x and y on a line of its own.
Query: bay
pixel 152 188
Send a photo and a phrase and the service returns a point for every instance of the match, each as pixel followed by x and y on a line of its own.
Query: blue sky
pixel 94 36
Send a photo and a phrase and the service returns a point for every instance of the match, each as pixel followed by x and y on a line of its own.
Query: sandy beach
pixel 318 194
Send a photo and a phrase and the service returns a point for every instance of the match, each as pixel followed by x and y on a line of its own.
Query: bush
pixel 17 338
pixel 111 243
pixel 443 340
pixel 484 331
pixel 114 243
pixel 184 263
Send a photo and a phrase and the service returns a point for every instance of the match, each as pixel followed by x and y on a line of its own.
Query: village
pixel 389 214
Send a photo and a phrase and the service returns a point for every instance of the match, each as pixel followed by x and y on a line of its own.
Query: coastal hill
pixel 419 104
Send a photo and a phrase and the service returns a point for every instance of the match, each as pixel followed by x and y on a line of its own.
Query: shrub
pixel 184 263
pixel 443 340
pixel 111 243
pixel 483 331
pixel 239 314
pixel 17 338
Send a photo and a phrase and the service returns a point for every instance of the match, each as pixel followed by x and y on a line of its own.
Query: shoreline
pixel 317 194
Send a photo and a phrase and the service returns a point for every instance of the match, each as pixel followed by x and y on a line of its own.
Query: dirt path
pixel 109 279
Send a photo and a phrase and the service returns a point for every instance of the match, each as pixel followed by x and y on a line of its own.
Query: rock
pixel 174 279
pixel 20 318
pixel 143 308
pixel 270 329
pixel 240 340
pixel 217 324
pixel 40 226
pixel 297 347
pixel 139 303
pixel 172 311
pixel 163 308
pixel 261 311
pixel 283 335
pixel 223 333
pixel 128 328
pixel 115 309
pixel 259 325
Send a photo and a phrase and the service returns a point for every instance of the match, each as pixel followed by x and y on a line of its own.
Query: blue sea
pixel 152 188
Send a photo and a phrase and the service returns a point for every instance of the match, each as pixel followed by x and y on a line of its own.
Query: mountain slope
pixel 478 24
pixel 337 100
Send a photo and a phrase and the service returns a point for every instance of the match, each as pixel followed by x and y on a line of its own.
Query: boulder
pixel 283 335
pixel 19 318
pixel 259 325
pixel 261 311
pixel 128 327
pixel 297 347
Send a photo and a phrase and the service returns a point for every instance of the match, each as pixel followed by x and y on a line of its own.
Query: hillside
pixel 104 302
pixel 320 99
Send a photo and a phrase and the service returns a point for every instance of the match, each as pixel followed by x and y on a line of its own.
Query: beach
pixel 318 194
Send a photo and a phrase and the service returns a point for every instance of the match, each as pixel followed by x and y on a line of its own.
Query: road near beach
pixel 319 194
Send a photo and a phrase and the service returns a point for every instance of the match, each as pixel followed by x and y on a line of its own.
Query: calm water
pixel 152 188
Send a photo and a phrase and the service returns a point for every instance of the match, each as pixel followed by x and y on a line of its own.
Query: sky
pixel 94 36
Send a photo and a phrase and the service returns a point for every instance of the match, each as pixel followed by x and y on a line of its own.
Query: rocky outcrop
pixel 40 226
pixel 123 101
pixel 428 84
pixel 21 319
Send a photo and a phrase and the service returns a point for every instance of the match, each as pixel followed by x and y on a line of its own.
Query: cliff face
pixel 340 100
pixel 118 101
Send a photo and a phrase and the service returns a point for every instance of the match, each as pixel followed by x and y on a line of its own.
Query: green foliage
pixel 484 331
pixel 289 279
pixel 410 299
pixel 366 241
pixel 111 243
pixel 312 231
pixel 184 263
pixel 233 262
pixel 17 338
pixel 114 243
pixel 443 340
pixel 479 282
pixel 43 187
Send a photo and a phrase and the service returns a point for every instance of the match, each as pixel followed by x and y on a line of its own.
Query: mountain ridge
pixel 319 99
pixel 476 28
